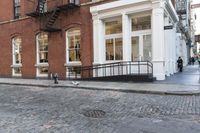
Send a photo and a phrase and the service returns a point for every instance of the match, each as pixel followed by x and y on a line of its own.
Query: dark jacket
pixel 180 62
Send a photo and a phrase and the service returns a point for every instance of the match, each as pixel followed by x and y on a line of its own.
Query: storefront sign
pixel 168 27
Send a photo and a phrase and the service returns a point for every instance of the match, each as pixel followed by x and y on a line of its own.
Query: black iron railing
pixel 111 69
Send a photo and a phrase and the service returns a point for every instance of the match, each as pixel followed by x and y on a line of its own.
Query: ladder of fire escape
pixel 52 20
pixel 53 15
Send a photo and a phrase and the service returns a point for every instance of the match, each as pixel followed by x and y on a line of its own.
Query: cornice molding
pixel 116 4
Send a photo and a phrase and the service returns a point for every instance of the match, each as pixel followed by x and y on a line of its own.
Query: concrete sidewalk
pixel 153 88
pixel 185 83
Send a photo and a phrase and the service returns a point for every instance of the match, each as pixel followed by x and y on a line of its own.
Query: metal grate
pixel 94 113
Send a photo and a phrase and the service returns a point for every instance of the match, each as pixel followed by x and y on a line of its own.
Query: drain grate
pixel 94 113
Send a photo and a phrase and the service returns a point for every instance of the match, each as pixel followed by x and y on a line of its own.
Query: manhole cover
pixel 94 113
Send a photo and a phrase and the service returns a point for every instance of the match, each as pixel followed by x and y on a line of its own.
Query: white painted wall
pixel 163 42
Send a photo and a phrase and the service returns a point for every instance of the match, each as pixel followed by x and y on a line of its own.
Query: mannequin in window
pixel 77 47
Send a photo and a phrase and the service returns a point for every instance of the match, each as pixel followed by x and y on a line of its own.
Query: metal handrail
pixel 111 69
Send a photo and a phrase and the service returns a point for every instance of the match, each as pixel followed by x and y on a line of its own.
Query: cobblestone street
pixel 65 110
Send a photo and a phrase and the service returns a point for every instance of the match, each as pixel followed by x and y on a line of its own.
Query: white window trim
pixel 71 63
pixel 140 34
pixel 142 14
pixel 39 65
pixel 14 64
pixel 112 36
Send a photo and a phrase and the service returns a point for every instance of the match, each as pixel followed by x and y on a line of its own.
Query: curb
pixel 180 93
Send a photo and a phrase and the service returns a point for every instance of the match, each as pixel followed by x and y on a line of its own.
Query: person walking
pixel 193 60
pixel 180 64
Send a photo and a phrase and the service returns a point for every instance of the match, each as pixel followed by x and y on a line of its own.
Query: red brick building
pixel 43 37
pixel 33 39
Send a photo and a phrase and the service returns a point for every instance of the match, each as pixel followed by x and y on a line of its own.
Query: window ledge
pixel 42 65
pixel 42 75
pixel 17 75
pixel 113 61
pixel 16 65
pixel 72 64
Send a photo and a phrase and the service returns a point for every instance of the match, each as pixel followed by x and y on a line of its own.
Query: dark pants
pixel 180 69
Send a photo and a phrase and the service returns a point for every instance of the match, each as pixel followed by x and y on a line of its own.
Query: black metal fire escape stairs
pixel 48 18
pixel 52 19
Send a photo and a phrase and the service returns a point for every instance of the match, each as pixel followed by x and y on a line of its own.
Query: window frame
pixel 113 36
pixel 17 7
pixel 71 64
pixel 67 46
pixel 141 34
pixel 146 14
pixel 14 64
pixel 39 65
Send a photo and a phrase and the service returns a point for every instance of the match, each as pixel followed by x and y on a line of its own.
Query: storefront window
pixel 135 49
pixel 118 49
pixel 17 49
pixel 73 46
pixel 147 49
pixel 113 42
pixel 113 27
pixel 42 54
pixel 141 38
pixel 43 48
pixel 17 59
pixel 141 23
pixel 114 49
pixel 109 49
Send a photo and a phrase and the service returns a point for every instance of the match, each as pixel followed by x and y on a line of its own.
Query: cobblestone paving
pixel 60 110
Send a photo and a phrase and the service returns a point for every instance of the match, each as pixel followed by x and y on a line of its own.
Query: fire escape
pixel 49 18
pixel 181 9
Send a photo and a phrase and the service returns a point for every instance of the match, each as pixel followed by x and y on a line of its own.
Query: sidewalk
pixel 185 83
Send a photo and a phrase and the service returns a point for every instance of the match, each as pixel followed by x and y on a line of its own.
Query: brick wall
pixel 27 28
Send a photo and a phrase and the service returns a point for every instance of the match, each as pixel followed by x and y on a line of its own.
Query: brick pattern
pixel 35 109
pixel 28 28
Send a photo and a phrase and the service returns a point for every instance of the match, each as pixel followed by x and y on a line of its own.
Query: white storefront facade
pixel 135 30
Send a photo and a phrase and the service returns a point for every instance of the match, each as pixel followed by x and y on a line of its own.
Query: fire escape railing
pixel 126 68
pixel 51 16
